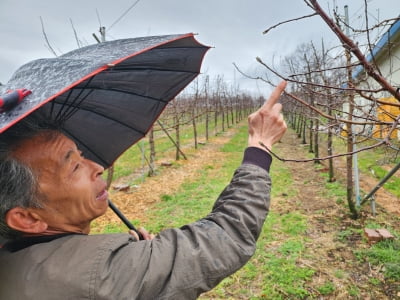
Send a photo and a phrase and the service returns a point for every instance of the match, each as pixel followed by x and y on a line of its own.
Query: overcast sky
pixel 232 27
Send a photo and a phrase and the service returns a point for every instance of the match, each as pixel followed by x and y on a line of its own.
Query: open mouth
pixel 102 196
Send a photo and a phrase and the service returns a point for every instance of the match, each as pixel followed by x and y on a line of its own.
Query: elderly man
pixel 51 193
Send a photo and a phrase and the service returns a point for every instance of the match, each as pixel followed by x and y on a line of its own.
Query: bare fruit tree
pixel 342 93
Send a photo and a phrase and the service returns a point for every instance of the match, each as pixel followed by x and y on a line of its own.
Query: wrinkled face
pixel 74 192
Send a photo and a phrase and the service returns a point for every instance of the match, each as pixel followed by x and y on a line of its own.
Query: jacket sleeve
pixel 182 263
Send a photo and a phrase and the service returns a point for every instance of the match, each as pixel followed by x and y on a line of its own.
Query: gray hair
pixel 18 182
pixel 18 189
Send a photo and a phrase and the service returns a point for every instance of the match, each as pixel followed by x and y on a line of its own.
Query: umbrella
pixel 115 89
pixel 106 95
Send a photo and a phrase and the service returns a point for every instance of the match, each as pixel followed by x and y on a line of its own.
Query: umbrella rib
pixel 60 111
pixel 63 115
pixel 74 106
pixel 126 68
pixel 109 118
pixel 53 102
pixel 125 92
pixel 75 138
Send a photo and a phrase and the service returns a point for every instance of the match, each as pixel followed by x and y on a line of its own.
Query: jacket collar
pixel 25 242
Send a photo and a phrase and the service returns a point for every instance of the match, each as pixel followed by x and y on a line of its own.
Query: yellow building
pixel 386 113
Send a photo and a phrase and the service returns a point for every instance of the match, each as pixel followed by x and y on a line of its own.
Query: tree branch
pixel 46 39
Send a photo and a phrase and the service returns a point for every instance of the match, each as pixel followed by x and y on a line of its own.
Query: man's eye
pixel 77 166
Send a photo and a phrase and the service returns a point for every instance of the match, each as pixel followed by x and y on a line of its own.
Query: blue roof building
pixel 386 55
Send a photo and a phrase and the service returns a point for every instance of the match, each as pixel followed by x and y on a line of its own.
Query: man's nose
pixel 97 169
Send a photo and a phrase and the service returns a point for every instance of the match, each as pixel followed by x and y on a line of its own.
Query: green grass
pixel 371 162
pixel 340 274
pixel 293 223
pixel 281 178
pixel 326 289
pixel 353 291
pixel 385 254
pixel 283 278
pixel 335 190
pixel 346 234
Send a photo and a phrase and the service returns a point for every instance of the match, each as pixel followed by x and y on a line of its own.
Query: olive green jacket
pixel 178 264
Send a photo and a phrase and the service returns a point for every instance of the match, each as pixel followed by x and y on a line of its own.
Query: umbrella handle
pixel 124 219
pixel 12 98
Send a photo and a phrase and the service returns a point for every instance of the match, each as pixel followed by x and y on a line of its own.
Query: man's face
pixel 74 192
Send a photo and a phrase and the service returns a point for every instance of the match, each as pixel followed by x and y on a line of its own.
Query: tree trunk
pixel 177 139
pixel 222 115
pixel 304 141
pixel 194 128
pixel 311 137
pixel 207 121
pixel 316 141
pixel 330 141
pixel 216 118
pixel 350 148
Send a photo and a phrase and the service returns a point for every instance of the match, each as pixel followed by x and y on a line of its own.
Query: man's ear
pixel 24 220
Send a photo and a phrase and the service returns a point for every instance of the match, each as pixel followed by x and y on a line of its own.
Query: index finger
pixel 275 95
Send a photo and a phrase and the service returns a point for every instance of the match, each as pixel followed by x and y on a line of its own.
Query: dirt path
pixel 367 182
pixel 292 149
pixel 306 178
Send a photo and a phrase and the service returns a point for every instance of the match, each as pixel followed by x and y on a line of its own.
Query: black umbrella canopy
pixel 107 95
